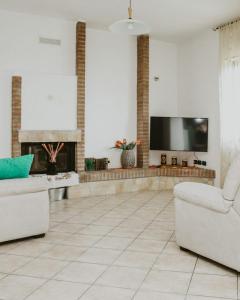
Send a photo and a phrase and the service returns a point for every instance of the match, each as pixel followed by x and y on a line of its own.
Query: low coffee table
pixel 59 183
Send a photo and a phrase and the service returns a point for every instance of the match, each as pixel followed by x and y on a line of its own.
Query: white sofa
pixel 208 218
pixel 24 208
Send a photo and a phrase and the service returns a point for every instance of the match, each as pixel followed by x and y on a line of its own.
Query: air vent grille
pixel 49 41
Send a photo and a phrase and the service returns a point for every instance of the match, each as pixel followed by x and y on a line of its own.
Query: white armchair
pixel 208 218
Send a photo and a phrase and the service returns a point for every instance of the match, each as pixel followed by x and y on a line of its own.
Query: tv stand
pixel 174 167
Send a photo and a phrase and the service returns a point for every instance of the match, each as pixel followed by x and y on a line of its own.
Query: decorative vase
pixel 184 163
pixel 128 159
pixel 52 168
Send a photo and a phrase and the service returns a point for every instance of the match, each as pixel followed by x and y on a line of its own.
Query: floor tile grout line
pixel 73 233
pixel 191 278
pixel 31 259
pixel 110 265
pixel 28 256
pixel 211 297
pixel 97 218
pixel 75 215
pixel 121 266
pixel 148 224
pixel 14 274
pixel 52 278
pixel 46 281
pixel 163 210
pixel 149 271
pixel 106 212
pixel 66 265
pixel 77 232
pixel 156 257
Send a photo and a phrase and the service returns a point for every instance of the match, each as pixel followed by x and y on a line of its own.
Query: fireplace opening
pixel 65 159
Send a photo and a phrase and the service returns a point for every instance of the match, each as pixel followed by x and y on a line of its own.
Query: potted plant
pixel 128 154
pixel 52 153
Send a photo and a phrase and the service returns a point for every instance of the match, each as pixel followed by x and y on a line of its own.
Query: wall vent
pixel 44 40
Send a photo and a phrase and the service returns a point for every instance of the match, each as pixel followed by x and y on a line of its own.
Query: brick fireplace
pixel 66 160
pixel 31 143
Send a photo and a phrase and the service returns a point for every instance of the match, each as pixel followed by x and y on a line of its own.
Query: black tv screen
pixel 179 134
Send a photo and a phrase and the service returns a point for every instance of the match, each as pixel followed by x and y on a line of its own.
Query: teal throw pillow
pixel 18 167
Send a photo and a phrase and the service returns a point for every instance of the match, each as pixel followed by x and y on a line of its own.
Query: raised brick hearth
pixel 117 174
pixel 118 181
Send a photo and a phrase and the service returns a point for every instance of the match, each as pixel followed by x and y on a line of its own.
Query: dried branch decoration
pixel 53 153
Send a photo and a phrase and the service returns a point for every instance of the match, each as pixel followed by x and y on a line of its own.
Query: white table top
pixel 61 179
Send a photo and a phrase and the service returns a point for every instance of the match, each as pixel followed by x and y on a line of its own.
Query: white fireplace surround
pixel 50 136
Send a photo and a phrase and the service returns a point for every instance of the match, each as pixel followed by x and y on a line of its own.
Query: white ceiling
pixel 171 20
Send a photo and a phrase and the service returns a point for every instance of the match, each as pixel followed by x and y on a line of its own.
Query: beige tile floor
pixel 117 247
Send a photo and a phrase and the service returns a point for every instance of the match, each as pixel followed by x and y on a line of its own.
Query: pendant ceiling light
pixel 130 26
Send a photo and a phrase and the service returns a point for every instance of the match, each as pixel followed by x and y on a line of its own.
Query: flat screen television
pixel 179 134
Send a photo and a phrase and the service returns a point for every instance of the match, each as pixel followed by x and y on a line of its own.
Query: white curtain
pixel 229 94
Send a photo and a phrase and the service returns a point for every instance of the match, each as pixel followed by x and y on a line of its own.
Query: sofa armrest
pixel 10 187
pixel 202 195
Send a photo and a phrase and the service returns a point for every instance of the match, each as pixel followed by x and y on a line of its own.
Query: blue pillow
pixel 18 167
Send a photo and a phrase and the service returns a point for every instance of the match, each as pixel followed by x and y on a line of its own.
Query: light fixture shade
pixel 130 27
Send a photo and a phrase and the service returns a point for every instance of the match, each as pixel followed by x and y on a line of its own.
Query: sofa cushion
pixel 232 180
pixel 10 187
pixel 17 167
pixel 202 195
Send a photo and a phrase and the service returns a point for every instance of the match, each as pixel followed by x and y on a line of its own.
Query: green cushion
pixel 18 167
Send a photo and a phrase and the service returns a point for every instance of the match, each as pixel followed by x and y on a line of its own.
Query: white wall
pixel 163 93
pixel 187 86
pixel 49 102
pixel 111 90
pixel 21 50
pixel 111 73
pixel 111 81
pixel 199 88
pixel 5 113
pixel 21 53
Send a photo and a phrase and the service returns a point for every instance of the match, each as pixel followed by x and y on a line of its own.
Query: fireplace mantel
pixel 49 136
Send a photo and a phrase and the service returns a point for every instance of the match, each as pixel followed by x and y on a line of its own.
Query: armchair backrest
pixel 232 180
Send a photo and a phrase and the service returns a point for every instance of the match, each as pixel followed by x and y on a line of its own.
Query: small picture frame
pixel 163 159
pixel 184 163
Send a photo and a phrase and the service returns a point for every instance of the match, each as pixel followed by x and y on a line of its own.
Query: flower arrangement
pixel 53 153
pixel 124 145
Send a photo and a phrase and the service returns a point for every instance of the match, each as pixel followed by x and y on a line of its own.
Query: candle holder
pixel 174 161
pixel 163 159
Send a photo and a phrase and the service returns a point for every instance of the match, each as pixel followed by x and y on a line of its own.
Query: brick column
pixel 16 114
pixel 80 72
pixel 143 100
